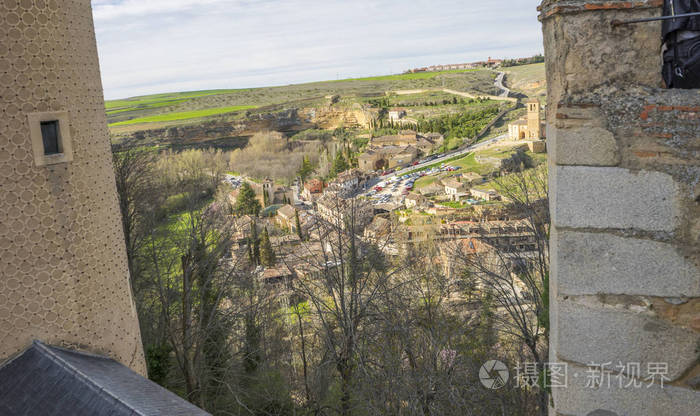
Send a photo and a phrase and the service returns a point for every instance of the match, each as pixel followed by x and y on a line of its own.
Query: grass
pixel 185 115
pixel 467 163
pixel 529 79
pixel 146 106
pixel 453 204
pixel 147 100
pixel 425 181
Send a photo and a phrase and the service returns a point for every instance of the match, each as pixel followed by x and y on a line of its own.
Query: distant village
pixel 458 206
pixel 489 63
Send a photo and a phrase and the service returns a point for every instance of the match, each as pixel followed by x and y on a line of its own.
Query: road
pixel 393 193
pixel 499 84
pixel 446 156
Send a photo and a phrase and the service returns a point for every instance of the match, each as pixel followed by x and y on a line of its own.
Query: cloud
pixel 174 45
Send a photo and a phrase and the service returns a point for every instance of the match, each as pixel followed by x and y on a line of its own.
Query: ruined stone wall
pixel 625 203
pixel 63 269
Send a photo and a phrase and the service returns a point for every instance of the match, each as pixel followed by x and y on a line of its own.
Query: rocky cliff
pixel 288 120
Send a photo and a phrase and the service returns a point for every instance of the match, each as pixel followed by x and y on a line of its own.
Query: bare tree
pixel 133 171
pixel 346 281
pixel 517 273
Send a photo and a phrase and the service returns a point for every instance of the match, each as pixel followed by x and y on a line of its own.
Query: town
pixel 404 189
pixel 264 218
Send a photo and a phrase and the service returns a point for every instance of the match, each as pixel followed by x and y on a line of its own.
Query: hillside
pixel 527 79
pixel 287 108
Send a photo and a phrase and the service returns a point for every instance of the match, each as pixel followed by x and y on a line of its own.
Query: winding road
pixel 505 92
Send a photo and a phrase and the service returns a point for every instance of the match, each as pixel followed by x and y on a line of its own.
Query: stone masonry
pixel 625 204
pixel 63 271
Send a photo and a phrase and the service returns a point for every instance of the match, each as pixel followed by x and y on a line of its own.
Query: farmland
pixel 142 110
pixel 185 115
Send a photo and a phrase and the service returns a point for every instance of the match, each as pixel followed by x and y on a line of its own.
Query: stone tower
pixel 63 271
pixel 625 208
pixel 534 125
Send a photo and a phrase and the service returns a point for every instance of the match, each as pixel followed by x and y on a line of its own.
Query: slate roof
pixel 52 381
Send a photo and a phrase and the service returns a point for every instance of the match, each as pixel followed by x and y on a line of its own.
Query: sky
pixel 156 46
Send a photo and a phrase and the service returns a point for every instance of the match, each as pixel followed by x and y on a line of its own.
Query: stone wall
pixel 63 269
pixel 625 204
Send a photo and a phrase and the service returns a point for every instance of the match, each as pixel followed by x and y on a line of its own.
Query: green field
pixel 185 115
pixel 154 100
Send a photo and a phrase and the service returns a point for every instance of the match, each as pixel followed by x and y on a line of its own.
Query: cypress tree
pixel 267 255
pixel 297 223
pixel 247 203
pixel 254 243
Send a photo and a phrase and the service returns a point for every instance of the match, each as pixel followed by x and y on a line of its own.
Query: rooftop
pixel 52 381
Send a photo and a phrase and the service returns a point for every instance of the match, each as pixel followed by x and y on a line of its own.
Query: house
pixel 279 274
pixel 286 217
pixel 431 189
pixel 313 189
pixel 332 209
pixel 455 190
pixel 370 161
pixel 424 143
pixel 378 229
pixel 414 200
pixel 386 157
pixel 486 195
pixel 338 211
pixel 396 114
pixel 402 157
pixel 348 182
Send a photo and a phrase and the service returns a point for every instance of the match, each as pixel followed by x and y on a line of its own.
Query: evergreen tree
pixel 297 224
pixel 254 245
pixel 267 255
pixel 247 203
pixel 266 199
pixel 339 164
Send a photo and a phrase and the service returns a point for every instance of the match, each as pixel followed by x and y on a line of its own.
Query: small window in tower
pixel 50 137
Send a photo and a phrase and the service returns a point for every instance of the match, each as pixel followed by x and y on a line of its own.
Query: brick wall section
pixel 625 203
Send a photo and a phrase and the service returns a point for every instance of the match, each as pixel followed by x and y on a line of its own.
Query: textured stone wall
pixel 625 203
pixel 63 271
